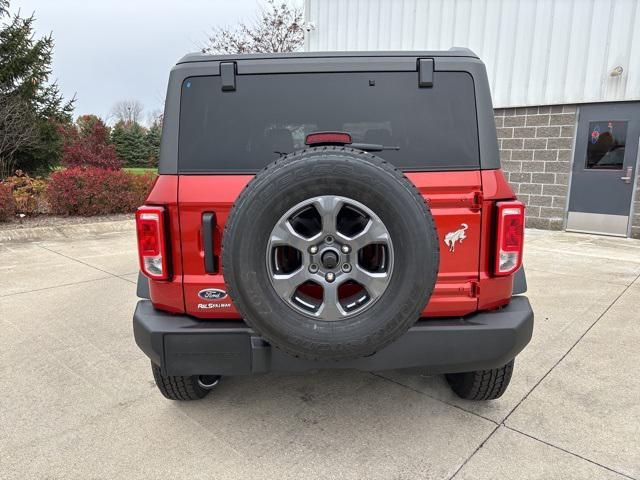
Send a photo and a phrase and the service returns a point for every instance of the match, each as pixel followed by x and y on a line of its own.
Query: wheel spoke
pixel 373 232
pixel 331 309
pixel 328 208
pixel 332 256
pixel 286 285
pixel 284 234
pixel 374 283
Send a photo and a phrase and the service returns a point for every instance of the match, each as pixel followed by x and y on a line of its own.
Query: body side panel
pixel 167 294
pixel 494 291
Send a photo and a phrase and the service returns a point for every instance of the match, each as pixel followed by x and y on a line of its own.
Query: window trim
pixel 585 165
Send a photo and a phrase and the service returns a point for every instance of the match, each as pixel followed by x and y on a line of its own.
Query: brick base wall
pixel 536 153
pixel 535 149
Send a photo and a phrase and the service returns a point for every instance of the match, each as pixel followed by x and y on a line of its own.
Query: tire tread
pixel 481 384
pixel 178 387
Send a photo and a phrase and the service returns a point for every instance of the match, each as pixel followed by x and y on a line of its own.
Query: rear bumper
pixel 182 345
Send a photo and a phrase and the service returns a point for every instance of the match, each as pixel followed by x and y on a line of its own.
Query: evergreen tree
pixel 118 140
pixel 130 143
pixel 153 144
pixel 138 142
pixel 25 68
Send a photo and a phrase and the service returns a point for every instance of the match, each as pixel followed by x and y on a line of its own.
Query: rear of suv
pixel 342 210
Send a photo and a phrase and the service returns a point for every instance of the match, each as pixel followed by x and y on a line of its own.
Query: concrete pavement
pixel 77 398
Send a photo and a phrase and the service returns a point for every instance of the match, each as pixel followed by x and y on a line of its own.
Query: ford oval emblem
pixel 212 294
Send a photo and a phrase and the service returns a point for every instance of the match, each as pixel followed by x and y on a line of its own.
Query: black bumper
pixel 181 345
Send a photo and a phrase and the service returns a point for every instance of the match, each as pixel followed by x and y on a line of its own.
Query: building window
pixel 606 142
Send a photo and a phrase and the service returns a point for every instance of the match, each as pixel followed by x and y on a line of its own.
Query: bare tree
pixel 155 117
pixel 128 111
pixel 18 131
pixel 277 28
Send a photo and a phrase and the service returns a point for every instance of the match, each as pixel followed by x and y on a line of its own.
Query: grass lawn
pixel 140 170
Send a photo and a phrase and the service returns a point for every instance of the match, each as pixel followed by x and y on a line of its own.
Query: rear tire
pixel 183 388
pixel 481 384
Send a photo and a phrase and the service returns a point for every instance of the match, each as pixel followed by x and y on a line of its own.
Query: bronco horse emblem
pixel 451 238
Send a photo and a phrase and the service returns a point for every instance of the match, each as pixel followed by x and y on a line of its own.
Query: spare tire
pixel 330 253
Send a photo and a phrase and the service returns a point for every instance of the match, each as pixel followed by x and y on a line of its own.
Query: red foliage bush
pixel 141 185
pixel 7 204
pixel 89 148
pixel 91 191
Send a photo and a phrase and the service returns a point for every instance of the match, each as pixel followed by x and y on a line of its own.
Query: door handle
pixel 208 225
pixel 627 178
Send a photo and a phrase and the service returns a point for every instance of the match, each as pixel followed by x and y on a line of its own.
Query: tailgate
pixel 454 197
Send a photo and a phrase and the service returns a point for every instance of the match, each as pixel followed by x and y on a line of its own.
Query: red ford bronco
pixel 331 210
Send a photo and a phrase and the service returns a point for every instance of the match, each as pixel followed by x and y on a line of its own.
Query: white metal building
pixel 537 52
pixel 546 60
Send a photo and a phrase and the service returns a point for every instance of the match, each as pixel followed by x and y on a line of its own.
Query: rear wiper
pixel 367 147
pixel 372 147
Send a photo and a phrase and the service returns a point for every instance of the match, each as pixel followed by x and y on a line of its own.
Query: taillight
pixel 510 237
pixel 152 247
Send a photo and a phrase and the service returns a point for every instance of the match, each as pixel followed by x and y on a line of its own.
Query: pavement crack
pixel 433 398
pixel 569 452
pixel 56 286
pixel 79 261
pixel 122 277
pixel 504 420
pixel 474 452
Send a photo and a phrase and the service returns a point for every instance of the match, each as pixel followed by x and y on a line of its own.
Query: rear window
pixel 267 116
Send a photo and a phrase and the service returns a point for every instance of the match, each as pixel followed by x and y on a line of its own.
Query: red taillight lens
pixel 510 238
pixel 152 243
pixel 318 138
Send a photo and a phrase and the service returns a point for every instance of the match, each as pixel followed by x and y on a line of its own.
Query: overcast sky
pixel 110 50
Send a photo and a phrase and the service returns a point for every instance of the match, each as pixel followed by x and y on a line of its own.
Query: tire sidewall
pixel 357 176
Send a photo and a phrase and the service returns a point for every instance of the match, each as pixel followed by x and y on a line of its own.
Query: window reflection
pixel 605 150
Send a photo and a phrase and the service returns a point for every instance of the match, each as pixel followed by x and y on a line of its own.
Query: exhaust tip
pixel 208 381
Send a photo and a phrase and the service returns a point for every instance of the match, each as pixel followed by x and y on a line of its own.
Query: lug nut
pixel 313 268
pixel 346 267
pixel 329 239
pixel 313 249
pixel 330 277
pixel 345 248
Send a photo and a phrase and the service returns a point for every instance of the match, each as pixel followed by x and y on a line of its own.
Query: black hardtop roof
pixel 452 52
pixel 455 59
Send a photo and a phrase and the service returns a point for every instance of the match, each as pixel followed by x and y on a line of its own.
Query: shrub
pixel 91 191
pixel 87 145
pixel 7 204
pixel 28 193
pixel 141 185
